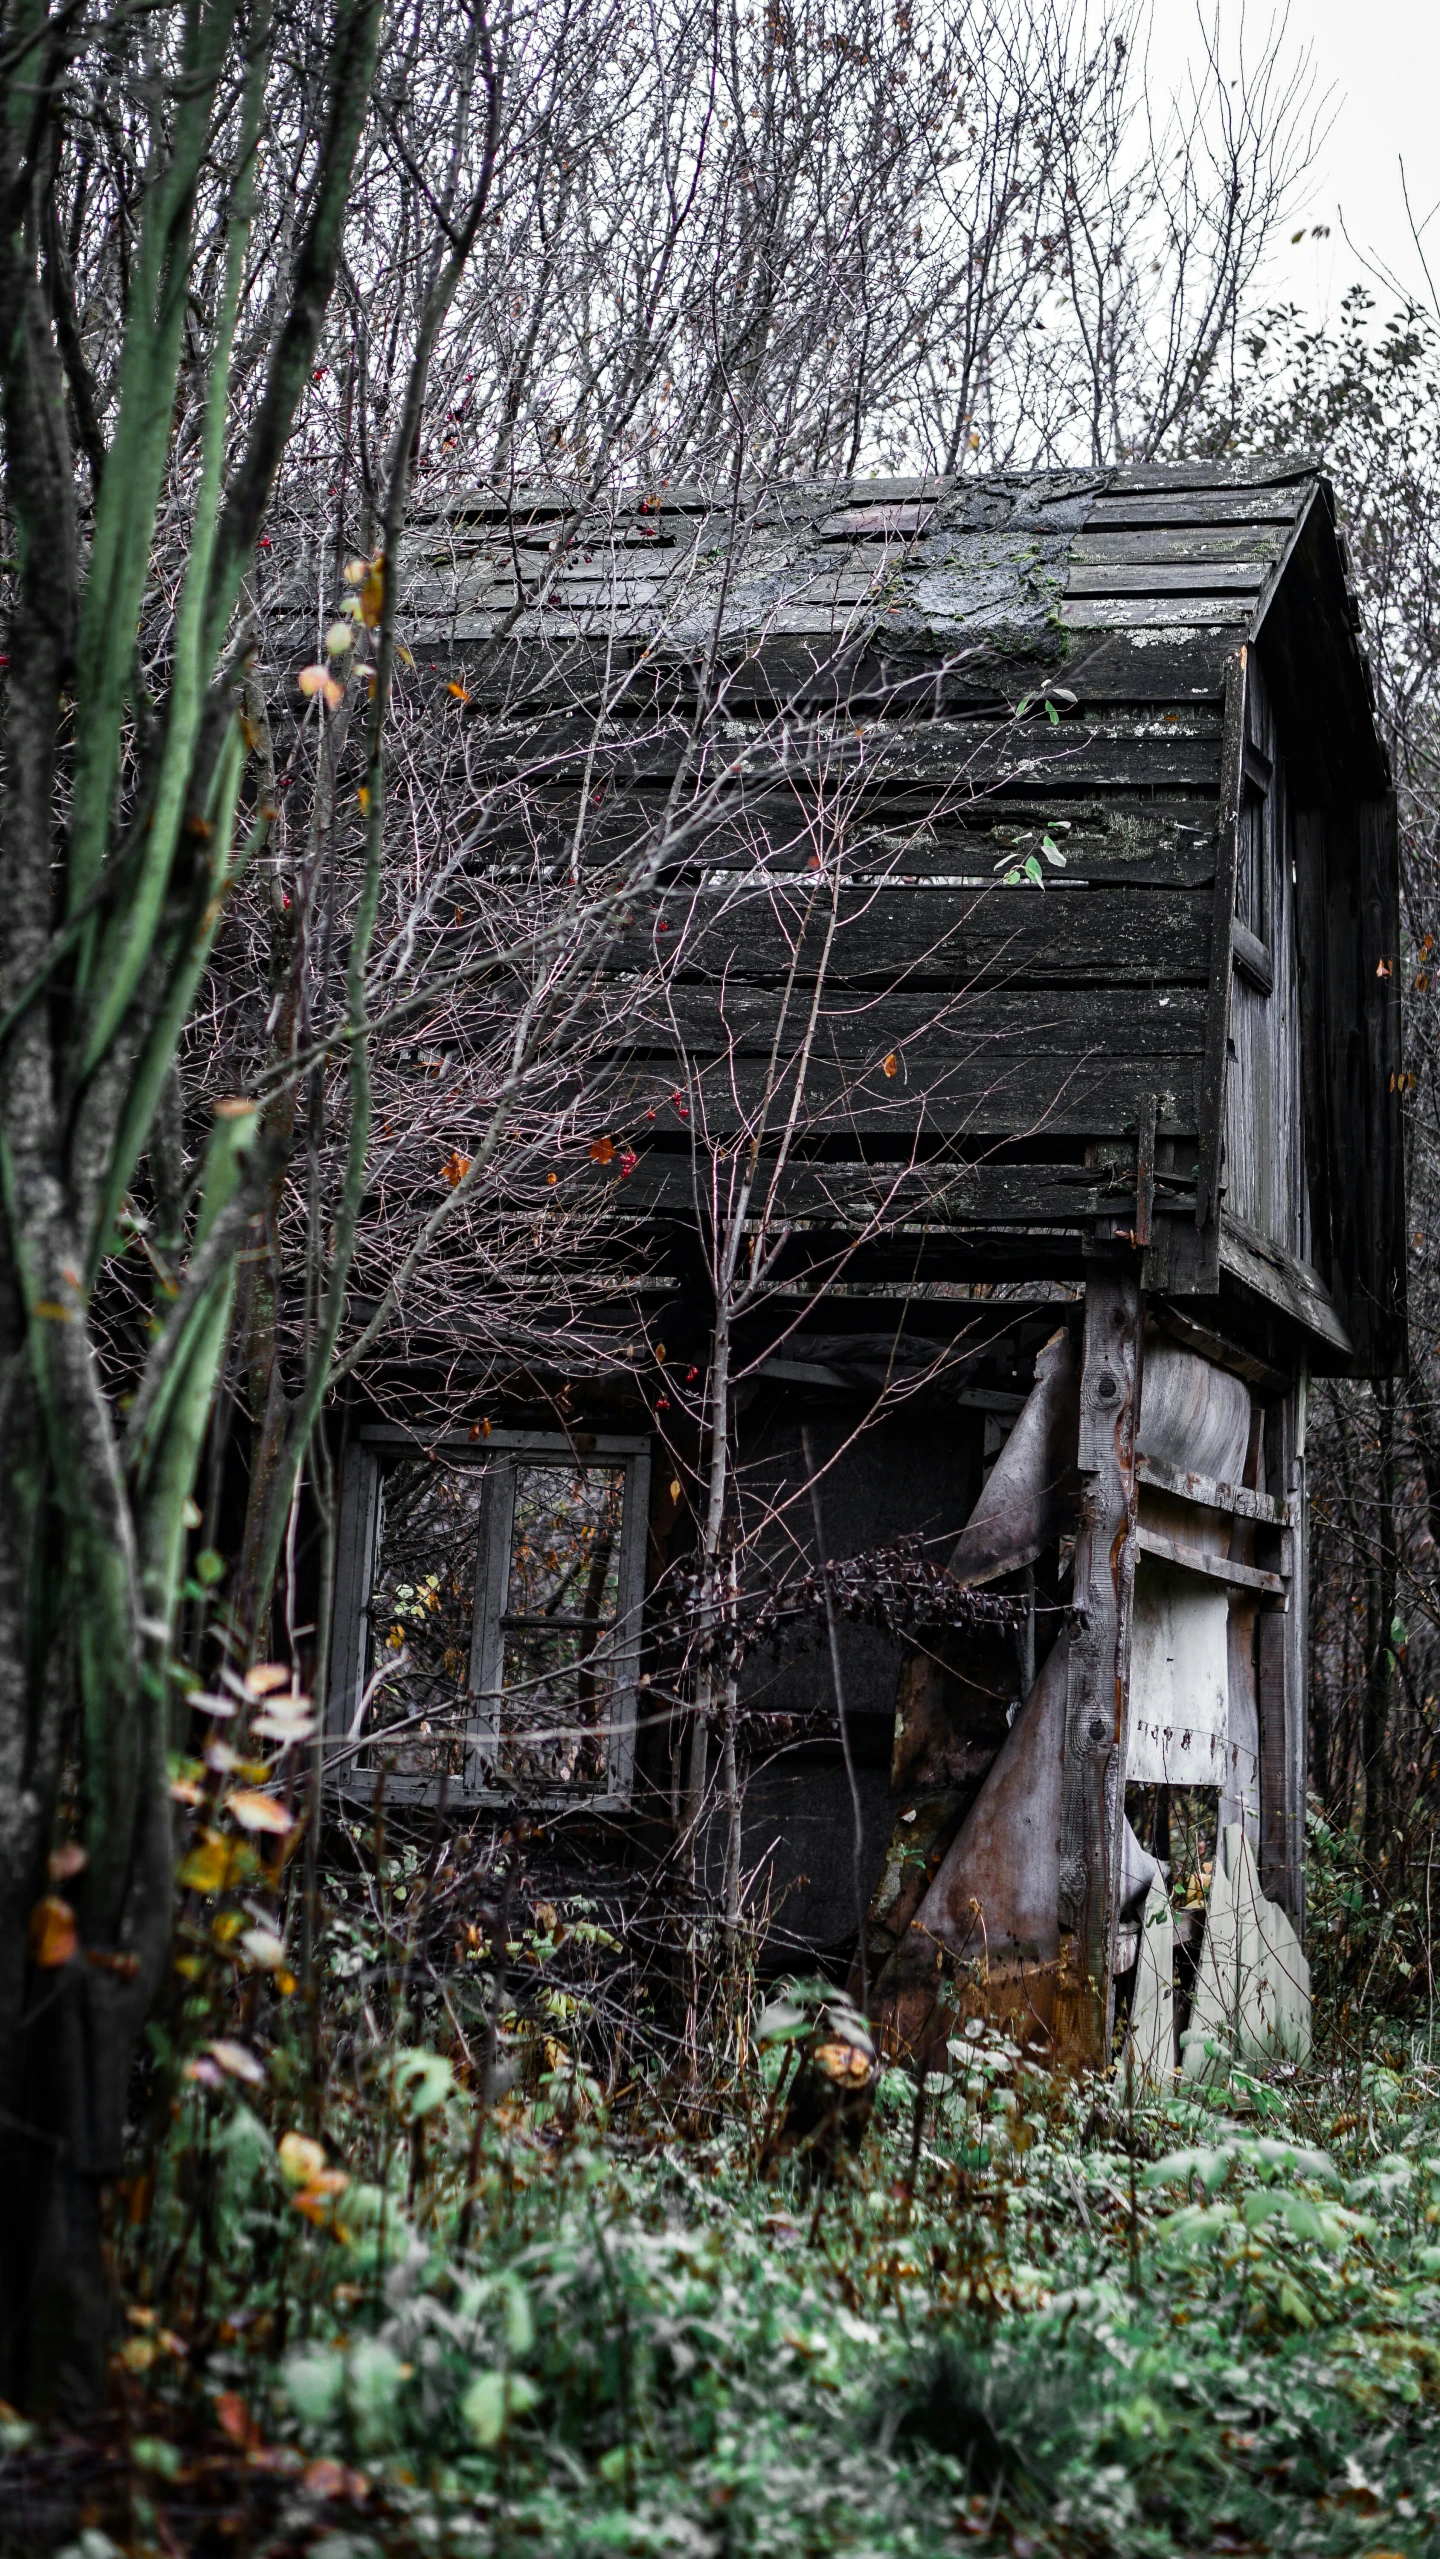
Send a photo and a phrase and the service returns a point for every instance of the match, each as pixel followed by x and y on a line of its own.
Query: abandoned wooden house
pixel 1023 1012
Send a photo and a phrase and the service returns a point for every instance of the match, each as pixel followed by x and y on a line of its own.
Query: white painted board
pixel 1179 1680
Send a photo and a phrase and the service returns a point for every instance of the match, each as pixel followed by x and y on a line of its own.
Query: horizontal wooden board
pixel 924 1036
pixel 894 836
pixel 923 936
pixel 1178 545
pixel 867 1194
pixel 1139 509
pixel 1169 577
pixel 977 1093
pixel 1153 613
pixel 967 759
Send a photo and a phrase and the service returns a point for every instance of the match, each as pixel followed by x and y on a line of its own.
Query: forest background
pixel 273 284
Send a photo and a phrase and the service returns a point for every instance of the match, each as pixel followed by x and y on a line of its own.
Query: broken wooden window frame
pixel 499 1458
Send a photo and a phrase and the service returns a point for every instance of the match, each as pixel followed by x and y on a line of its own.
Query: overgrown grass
pixel 1200 2324
pixel 365 2313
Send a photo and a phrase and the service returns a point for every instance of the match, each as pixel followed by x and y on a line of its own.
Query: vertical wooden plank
pixel 1145 1170
pixel 487 1639
pixel 1283 1667
pixel 1217 1022
pixel 1097 1704
pixel 354 1563
pixel 620 1756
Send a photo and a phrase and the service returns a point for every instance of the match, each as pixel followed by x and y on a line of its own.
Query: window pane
pixel 565 1550
pixel 422 1614
pixel 555 1708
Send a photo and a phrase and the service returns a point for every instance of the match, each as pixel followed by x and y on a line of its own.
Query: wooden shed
pixel 1022 986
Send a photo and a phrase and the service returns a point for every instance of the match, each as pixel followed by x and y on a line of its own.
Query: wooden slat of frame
pixel 1235 1501
pixel 1214 1568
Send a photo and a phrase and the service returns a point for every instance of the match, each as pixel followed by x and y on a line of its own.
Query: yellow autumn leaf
pixel 265 1677
pixel 207 1868
pixel 890 1065
pixel 372 593
pixel 301 2159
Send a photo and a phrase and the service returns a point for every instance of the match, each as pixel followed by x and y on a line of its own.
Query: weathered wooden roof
pixel 1130 584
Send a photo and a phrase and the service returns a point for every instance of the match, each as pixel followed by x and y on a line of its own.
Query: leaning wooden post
pixel 1092 1800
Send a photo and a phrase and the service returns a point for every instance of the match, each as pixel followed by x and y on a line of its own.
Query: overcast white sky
pixel 1380 59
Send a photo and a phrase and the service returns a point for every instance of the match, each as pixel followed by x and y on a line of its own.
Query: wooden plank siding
pixel 922 682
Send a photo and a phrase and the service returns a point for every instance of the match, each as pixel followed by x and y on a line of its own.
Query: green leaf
pixel 781 2023
pixel 1033 872
pixel 1052 852
pixel 374 2375
pixel 492 2400
pixel 314 2379
pixel 425 2079
pixel 152 2452
pixel 209 1567
pixel 519 2320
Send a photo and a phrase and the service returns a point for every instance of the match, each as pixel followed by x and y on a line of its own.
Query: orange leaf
pixel 454 1169
pixel 890 1065
pixel 258 1812
pixel 232 2416
pixel 323 2479
pixel 459 692
pixel 53 1933
pixel 318 679
pixel 602 1150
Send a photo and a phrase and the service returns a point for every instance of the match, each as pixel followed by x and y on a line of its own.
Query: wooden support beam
pixel 1282 1669
pixel 1092 1799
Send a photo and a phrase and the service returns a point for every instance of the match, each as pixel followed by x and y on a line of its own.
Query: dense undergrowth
pixel 364 2314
